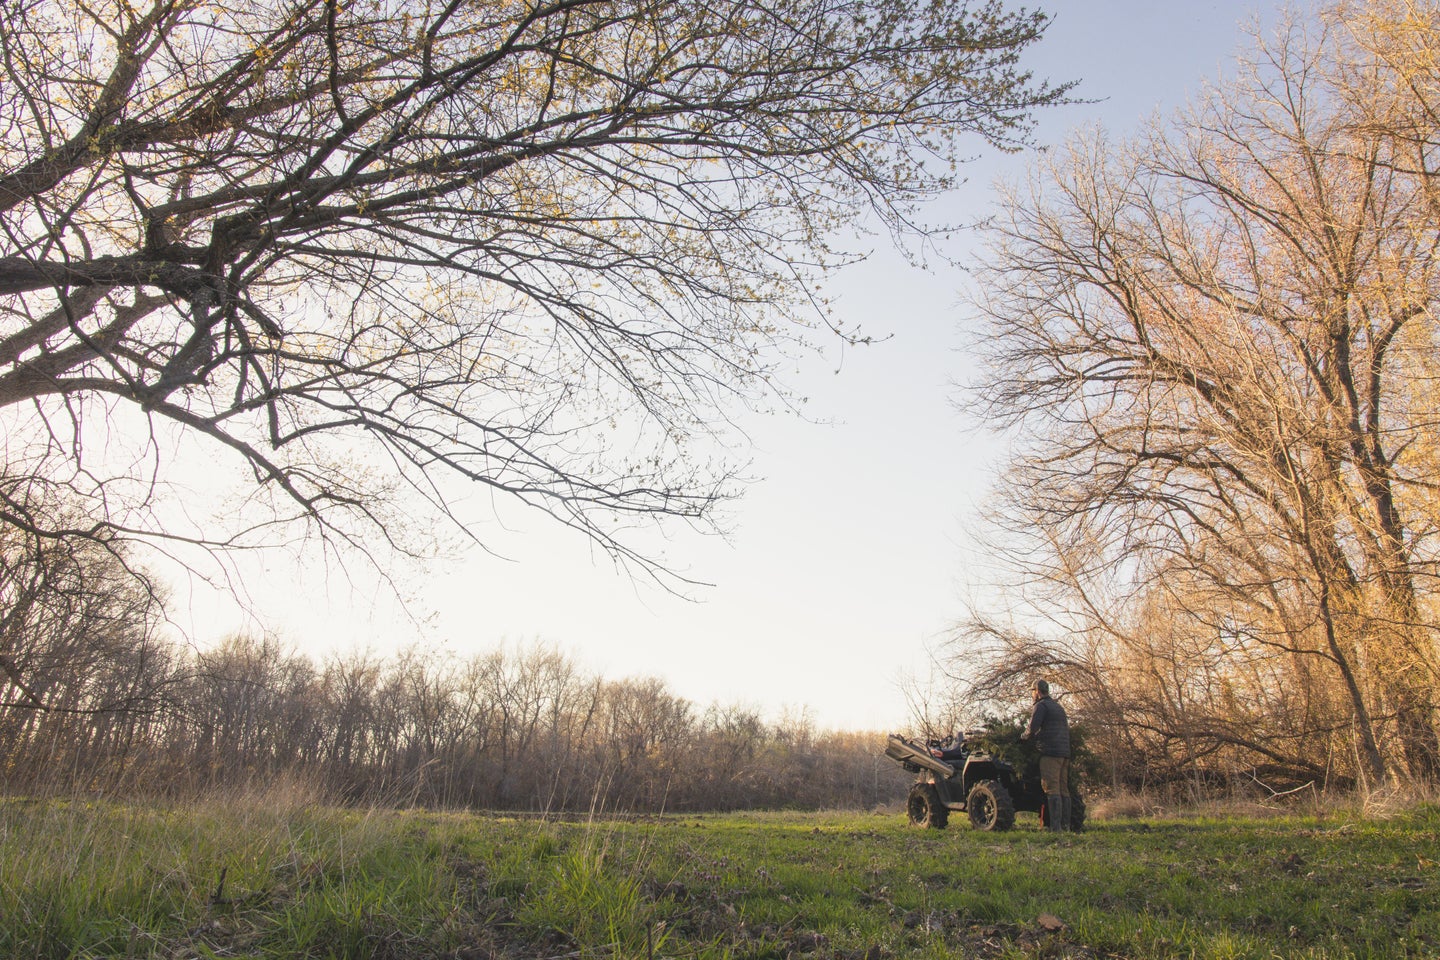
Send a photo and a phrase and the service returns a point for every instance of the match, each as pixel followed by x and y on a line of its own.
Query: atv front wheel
pixel 925 808
pixel 990 806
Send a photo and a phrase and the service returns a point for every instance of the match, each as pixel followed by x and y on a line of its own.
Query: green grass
pixel 256 879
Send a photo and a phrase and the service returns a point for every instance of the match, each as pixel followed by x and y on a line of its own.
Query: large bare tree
pixel 1219 343
pixel 376 247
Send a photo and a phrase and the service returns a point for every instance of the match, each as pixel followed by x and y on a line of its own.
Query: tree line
pixel 518 729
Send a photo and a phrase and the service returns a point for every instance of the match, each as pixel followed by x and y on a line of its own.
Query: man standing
pixel 1050 729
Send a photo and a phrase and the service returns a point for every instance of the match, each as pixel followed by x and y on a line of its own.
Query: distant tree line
pixel 95 699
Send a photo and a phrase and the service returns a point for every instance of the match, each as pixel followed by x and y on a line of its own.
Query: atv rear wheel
pixel 925 808
pixel 990 806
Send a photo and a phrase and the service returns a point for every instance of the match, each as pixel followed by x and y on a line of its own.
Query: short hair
pixel 1043 687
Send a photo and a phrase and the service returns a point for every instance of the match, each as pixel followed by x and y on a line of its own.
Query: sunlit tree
pixel 1218 341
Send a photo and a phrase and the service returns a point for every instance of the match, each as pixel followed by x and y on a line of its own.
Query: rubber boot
pixel 1055 807
pixel 1065 813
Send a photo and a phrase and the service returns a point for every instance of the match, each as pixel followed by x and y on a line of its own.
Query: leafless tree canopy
pixel 365 246
pixel 1219 342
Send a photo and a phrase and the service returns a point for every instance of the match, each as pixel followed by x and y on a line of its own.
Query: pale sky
pixel 847 559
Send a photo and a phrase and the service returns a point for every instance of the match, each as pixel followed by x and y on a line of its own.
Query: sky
pixel 846 561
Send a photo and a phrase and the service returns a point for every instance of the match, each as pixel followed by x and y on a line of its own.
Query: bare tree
pixel 1216 342
pixel 364 247
pixel 74 617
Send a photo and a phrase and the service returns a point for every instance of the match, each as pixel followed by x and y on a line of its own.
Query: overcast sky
pixel 846 561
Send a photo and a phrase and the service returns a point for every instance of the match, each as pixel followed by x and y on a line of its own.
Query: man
pixel 1050 729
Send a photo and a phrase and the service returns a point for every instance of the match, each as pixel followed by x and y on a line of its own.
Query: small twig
pixel 1277 794
pixel 219 895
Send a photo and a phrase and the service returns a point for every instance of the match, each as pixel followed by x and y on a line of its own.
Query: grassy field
pixel 256 878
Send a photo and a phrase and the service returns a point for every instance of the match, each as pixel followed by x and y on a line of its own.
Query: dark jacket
pixel 1049 728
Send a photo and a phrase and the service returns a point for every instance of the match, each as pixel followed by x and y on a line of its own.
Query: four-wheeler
pixel 966 778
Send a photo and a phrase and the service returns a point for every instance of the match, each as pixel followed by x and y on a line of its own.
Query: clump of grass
pixel 595 902
pixel 1393 799
pixel 1118 805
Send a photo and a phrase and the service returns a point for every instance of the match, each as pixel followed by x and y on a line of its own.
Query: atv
pixel 971 781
